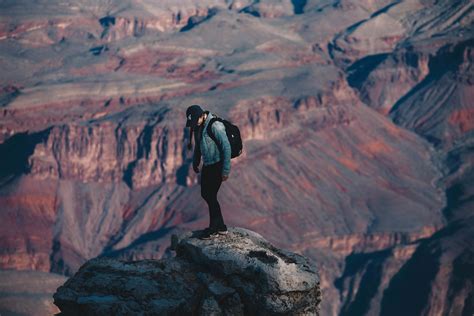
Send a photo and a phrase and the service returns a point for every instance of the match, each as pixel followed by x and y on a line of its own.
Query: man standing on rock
pixel 216 163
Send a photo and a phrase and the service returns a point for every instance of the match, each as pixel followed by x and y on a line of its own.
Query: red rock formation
pixel 356 119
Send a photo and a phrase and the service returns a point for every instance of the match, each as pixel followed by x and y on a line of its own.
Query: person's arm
pixel 197 152
pixel 218 129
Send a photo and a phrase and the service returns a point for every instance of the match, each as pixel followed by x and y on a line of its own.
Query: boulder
pixel 239 273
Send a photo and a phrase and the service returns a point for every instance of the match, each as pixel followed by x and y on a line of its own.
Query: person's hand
pixel 196 169
pixel 225 177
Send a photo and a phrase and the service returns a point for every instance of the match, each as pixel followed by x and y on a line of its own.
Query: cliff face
pixel 236 274
pixel 356 119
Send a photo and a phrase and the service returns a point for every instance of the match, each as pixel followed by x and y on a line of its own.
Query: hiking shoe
pixel 208 233
pixel 207 230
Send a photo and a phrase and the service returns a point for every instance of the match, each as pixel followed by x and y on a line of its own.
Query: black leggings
pixel 211 179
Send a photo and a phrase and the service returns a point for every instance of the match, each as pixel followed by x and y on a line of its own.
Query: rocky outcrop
pixel 235 274
pixel 92 144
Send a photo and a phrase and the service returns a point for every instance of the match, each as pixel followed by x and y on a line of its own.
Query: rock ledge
pixel 235 274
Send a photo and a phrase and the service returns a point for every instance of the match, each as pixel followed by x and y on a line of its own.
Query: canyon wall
pixel 356 118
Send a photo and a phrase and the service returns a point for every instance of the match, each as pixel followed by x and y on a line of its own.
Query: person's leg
pixel 211 180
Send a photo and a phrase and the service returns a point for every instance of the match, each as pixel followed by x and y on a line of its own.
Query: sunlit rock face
pixel 356 118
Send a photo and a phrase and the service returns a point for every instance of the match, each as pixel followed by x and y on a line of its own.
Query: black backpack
pixel 233 134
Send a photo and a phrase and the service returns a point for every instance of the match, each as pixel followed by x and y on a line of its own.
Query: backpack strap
pixel 209 129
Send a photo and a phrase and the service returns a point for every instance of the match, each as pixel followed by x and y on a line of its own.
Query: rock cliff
pixel 356 117
pixel 235 274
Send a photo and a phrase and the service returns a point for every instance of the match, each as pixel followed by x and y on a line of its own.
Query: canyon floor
pixel 357 120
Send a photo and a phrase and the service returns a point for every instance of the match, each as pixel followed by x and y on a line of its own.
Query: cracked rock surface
pixel 235 274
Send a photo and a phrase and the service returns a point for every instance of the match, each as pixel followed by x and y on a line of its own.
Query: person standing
pixel 216 157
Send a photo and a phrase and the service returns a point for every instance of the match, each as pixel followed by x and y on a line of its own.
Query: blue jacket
pixel 212 152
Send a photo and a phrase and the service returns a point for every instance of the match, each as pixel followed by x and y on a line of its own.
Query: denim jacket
pixel 212 152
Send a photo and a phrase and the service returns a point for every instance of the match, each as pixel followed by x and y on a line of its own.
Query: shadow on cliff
pixel 298 6
pixel 409 290
pixel 143 151
pixel 463 277
pixel 143 239
pixel 447 59
pixel 182 174
pixel 196 20
pixel 360 70
pixel 144 141
pixel 15 151
pixel 371 265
